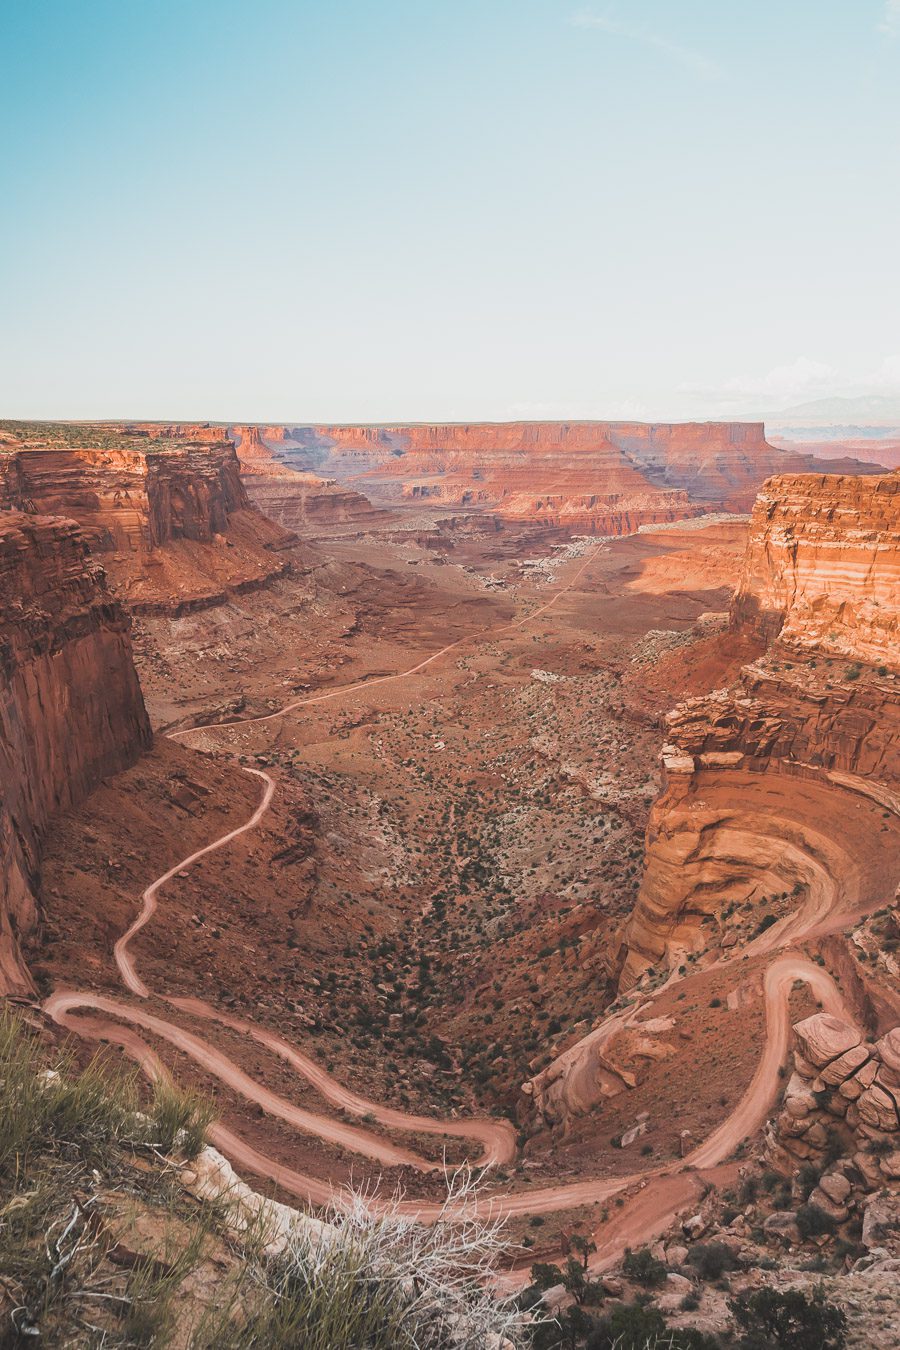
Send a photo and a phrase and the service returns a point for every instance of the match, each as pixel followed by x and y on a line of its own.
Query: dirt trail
pixel 675 1185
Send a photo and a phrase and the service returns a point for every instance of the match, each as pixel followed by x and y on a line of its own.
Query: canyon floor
pixel 430 907
pixel 403 881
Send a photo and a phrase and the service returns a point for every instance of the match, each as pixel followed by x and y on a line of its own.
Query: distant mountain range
pixel 868 416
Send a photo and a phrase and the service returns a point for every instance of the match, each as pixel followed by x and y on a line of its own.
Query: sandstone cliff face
pixel 822 569
pixel 172 519
pixel 597 475
pixel 297 500
pixel 129 499
pixel 787 783
pixel 71 710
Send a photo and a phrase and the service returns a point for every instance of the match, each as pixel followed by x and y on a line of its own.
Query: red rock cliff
pixel 172 518
pixel 71 710
pixel 557 472
pixel 298 500
pixel 822 568
pixel 788 783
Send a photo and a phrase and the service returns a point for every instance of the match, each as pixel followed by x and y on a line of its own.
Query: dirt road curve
pixel 674 1186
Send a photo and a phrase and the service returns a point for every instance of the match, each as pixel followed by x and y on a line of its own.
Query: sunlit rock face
pixel 788 782
pixel 170 517
pixel 822 568
pixel 299 500
pixel 606 476
pixel 71 710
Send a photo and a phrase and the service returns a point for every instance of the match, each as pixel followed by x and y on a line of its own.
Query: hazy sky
pixel 424 209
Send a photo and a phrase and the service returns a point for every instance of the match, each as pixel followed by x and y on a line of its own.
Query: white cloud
pixel 642 32
pixel 798 381
pixel 890 19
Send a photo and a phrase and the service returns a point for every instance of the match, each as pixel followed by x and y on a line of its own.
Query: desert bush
pixel 814 1222
pixel 45 1106
pixel 711 1259
pixel 631 1326
pixel 643 1267
pixel 775 1319
pixel 179 1118
pixel 385 1282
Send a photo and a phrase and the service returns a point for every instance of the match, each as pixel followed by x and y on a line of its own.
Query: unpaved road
pixel 649 1213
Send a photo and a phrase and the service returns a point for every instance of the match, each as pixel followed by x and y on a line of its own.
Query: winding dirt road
pixel 675 1185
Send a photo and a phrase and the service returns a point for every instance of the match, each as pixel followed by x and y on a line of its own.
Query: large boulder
pixel 877 1107
pixel 889 1050
pixel 845 1065
pixel 881 1221
pixel 823 1037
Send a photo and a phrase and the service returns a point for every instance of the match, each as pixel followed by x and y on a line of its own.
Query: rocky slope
pixel 71 710
pixel 170 516
pixel 605 476
pixel 777 786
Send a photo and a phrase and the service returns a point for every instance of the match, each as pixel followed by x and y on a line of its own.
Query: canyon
pixel 609 477
pixel 515 793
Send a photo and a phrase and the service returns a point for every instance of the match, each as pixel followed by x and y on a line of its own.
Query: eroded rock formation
pixel 822 568
pixel 605 476
pixel 776 787
pixel 71 710
pixel 170 516
pixel 842 1098
pixel 298 500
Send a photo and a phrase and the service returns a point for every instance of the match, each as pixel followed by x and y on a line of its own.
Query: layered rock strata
pixel 71 710
pixel 607 476
pixel 300 501
pixel 163 513
pixel 786 786
pixel 822 568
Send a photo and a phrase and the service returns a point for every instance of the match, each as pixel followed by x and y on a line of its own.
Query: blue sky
pixel 425 209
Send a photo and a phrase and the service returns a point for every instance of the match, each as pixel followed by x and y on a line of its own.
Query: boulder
pixel 881 1221
pixel 799 1099
pixel 676 1255
pixel 866 1165
pixel 823 1037
pixel 678 1284
pixel 783 1226
pixel 890 1164
pixel 695 1226
pixel 839 1213
pixel 876 1107
pixel 635 1132
pixel 889 1050
pixel 845 1065
pixel 836 1187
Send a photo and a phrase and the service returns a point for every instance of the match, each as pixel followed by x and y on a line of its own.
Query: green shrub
pixel 711 1259
pixel 814 1222
pixel 774 1319
pixel 643 1267
pixel 631 1326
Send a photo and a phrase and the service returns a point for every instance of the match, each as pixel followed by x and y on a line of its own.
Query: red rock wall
pixel 173 520
pixel 71 709
pixel 822 568
pixel 547 470
pixel 297 500
pixel 789 781
pixel 129 499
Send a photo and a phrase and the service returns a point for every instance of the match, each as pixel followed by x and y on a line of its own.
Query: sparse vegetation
pixel 774 1319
